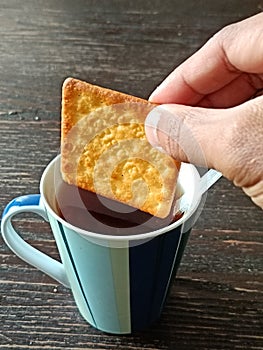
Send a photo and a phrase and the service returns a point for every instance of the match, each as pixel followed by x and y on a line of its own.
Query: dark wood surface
pixel 217 300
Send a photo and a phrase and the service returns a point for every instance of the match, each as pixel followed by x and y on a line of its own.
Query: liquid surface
pixel 88 211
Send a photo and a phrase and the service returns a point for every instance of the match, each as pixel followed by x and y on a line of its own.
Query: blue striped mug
pixel 119 283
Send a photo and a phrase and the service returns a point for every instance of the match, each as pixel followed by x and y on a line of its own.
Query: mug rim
pixel 99 236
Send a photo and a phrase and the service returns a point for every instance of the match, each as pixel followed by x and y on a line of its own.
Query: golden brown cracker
pixel 104 148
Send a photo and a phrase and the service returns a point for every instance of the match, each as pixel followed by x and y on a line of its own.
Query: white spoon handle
pixel 208 180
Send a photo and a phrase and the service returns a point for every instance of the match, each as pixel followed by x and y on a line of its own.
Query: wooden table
pixel 217 300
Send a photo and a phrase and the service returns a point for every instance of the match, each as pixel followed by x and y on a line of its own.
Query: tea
pixel 91 212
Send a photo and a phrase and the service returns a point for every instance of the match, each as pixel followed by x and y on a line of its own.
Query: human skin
pixel 209 113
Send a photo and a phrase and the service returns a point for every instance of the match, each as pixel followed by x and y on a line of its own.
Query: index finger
pixel 223 59
pixel 203 73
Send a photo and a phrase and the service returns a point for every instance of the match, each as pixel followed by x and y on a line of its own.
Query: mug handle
pixel 30 204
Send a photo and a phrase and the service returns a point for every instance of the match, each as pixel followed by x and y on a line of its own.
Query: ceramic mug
pixel 119 283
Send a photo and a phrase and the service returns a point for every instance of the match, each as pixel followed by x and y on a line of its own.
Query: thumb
pixel 229 140
pixel 190 134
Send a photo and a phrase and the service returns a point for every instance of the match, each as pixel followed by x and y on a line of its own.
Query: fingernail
pixel 151 128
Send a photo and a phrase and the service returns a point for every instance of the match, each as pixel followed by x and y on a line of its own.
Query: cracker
pixel 104 148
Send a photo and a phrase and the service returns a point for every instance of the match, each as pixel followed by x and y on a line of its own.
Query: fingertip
pixel 154 95
pixel 162 93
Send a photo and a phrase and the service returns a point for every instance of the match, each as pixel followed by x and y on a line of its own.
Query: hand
pixel 224 129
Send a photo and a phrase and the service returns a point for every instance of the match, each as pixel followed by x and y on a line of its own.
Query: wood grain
pixel 217 300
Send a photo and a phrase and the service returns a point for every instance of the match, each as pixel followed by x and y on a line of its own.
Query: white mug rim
pixel 107 237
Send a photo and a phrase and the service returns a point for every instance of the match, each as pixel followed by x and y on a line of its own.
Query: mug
pixel 119 283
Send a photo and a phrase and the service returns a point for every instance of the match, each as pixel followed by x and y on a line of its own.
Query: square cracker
pixel 104 148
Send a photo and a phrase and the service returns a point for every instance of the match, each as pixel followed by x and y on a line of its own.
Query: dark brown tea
pixel 91 212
